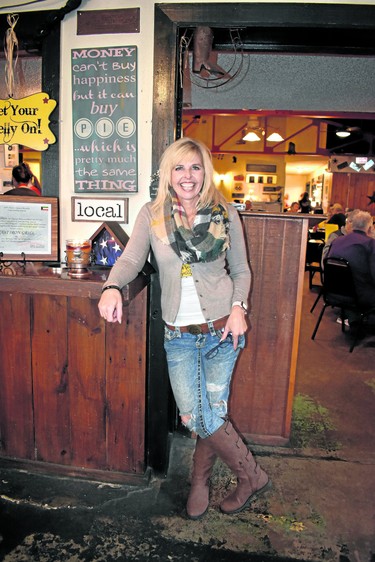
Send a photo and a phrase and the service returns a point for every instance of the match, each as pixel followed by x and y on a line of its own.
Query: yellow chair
pixel 329 228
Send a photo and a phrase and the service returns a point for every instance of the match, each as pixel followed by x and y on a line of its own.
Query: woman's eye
pixel 178 168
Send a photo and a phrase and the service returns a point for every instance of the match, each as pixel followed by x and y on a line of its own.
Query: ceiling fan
pixel 344 132
pixel 253 130
pixel 354 137
pixel 341 130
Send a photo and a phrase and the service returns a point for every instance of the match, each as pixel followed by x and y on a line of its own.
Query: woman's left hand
pixel 236 325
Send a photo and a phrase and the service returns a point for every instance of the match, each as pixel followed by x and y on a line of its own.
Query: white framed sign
pixel 97 209
pixel 29 227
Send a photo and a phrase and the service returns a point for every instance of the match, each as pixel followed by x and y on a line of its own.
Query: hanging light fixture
pixel 342 133
pixel 253 131
pixel 251 136
pixel 275 137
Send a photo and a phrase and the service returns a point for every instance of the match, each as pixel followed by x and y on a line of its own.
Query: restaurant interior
pixel 298 149
pixel 272 171
pixel 308 155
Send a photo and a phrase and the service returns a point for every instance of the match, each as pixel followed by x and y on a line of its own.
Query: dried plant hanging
pixel 10 49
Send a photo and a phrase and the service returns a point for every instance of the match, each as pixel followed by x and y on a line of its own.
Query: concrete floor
pixel 321 507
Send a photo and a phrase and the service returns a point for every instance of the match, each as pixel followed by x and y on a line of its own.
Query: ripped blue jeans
pixel 200 384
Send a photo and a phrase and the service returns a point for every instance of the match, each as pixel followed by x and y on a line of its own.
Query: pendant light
pixel 275 137
pixel 253 130
pixel 251 136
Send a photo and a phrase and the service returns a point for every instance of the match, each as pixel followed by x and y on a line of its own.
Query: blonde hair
pixel 336 208
pixel 174 155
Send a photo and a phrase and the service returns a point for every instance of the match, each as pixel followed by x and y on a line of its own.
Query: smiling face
pixel 187 178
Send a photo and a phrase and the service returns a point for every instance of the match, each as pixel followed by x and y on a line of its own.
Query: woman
pixel 305 202
pixel 294 208
pixel 24 182
pixel 198 244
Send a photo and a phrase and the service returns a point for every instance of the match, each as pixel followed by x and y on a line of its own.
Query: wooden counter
pixel 73 388
pixel 263 382
pixel 76 392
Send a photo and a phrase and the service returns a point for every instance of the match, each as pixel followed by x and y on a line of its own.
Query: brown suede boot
pixel 252 480
pixel 203 462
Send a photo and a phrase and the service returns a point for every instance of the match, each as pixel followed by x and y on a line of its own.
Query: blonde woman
pixel 198 244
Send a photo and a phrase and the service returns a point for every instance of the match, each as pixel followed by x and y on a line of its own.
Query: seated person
pixel 335 220
pixel 337 216
pixel 358 248
pixel 24 182
pixel 341 232
pixel 294 208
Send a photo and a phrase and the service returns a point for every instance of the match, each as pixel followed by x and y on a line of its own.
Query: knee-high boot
pixel 252 480
pixel 203 462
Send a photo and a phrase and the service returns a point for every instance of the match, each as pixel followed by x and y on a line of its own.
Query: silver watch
pixel 242 304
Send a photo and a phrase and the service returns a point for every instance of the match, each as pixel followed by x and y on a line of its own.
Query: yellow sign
pixel 26 121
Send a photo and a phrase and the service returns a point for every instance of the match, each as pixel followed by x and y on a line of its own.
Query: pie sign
pixel 26 121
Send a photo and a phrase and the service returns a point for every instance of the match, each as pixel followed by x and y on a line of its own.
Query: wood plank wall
pixel 353 190
pixel 73 388
pixel 263 382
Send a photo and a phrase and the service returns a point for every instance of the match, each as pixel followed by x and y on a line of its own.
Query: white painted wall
pixel 294 186
pixel 144 42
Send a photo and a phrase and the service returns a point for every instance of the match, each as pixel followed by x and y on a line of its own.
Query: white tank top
pixel 190 311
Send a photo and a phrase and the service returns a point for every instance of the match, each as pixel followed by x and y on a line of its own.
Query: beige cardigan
pixel 219 283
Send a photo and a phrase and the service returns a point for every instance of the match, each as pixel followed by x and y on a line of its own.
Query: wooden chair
pixel 339 291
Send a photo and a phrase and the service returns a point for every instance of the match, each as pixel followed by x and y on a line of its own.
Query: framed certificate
pixel 28 228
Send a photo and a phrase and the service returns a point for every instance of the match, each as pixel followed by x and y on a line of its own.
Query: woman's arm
pixel 239 271
pixel 237 259
pixel 135 253
pixel 126 268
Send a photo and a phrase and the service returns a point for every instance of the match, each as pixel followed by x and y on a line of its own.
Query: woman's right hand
pixel 110 305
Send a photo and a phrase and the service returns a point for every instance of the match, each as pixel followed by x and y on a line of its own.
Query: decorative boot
pixel 203 462
pixel 252 480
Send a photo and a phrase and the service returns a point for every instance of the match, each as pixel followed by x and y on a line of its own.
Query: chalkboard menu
pixel 104 101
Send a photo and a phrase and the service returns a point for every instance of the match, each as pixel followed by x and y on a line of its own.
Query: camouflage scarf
pixel 205 241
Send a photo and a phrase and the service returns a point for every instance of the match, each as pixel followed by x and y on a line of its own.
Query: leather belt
pixel 196 329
